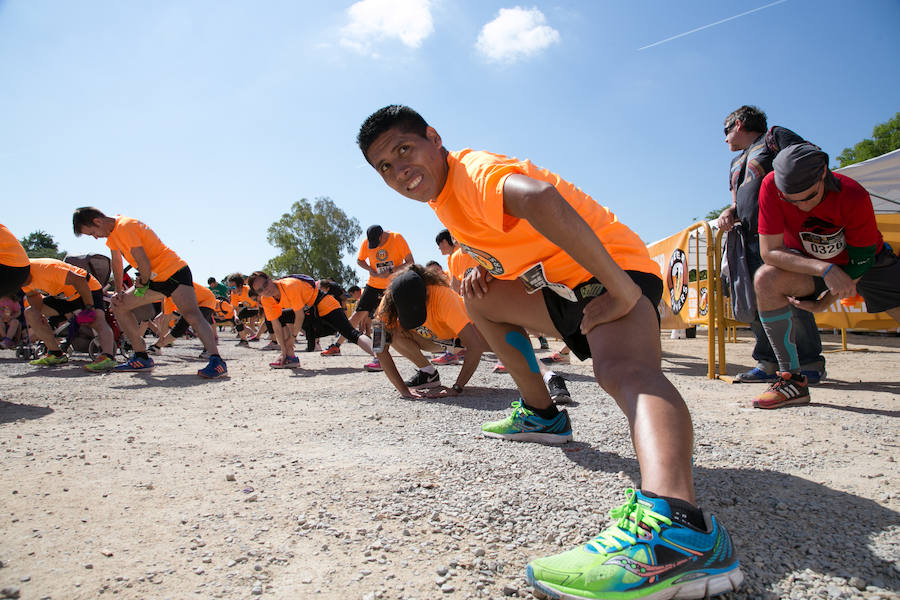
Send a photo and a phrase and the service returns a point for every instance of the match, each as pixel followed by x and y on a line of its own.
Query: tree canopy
pixel 40 244
pixel 312 239
pixel 885 138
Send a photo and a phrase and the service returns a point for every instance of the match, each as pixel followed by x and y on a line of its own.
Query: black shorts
pixel 12 278
pixel 247 312
pixel 370 299
pixel 65 307
pixel 180 277
pixel 879 286
pixel 567 315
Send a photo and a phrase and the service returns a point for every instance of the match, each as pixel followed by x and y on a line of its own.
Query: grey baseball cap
pixel 798 167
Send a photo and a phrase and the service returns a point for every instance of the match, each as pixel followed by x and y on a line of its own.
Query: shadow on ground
pixel 10 411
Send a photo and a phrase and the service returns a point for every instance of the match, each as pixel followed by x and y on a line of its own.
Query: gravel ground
pixel 322 483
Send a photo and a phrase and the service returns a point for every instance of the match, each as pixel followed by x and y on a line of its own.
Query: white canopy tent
pixel 881 178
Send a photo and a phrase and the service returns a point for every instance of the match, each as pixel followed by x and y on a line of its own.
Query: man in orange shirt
pixel 383 253
pixel 551 259
pixel 245 307
pixel 14 263
pixel 67 290
pixel 161 274
pixel 284 301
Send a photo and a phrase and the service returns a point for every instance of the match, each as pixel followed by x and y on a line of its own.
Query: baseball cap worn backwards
pixel 799 167
pixel 408 293
pixel 373 234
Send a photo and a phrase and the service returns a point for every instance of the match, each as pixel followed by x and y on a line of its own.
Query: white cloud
pixel 516 33
pixel 372 21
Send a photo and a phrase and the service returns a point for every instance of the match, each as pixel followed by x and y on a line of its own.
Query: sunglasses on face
pixel 729 127
pixel 800 200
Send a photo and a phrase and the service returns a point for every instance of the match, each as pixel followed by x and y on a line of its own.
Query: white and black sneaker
pixel 558 391
pixel 422 380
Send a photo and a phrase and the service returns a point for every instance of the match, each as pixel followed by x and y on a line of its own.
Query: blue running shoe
pixel 755 375
pixel 135 364
pixel 215 368
pixel 643 555
pixel 523 425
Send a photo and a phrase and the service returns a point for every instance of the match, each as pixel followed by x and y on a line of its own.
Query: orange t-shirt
pixel 205 297
pixel 130 233
pixel 445 315
pixel 12 254
pixel 460 263
pixel 243 295
pixel 296 295
pixel 224 309
pixel 471 207
pixel 49 275
pixel 387 256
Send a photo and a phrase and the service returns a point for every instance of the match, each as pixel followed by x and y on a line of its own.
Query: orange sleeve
pixel 451 310
pixel 363 251
pixel 12 254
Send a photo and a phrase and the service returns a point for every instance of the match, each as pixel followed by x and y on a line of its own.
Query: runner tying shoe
pixel 70 291
pixel 284 301
pixel 594 285
pixel 161 274
pixel 820 243
pixel 383 253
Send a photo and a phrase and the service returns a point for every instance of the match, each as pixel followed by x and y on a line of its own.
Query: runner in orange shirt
pixel 551 259
pixel 284 301
pixel 206 302
pixel 14 263
pixel 245 307
pixel 161 274
pixel 383 253
pixel 57 290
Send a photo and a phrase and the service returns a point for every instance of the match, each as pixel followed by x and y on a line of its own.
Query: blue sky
pixel 206 120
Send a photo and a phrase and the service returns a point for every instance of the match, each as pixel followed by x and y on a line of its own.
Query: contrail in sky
pixel 675 37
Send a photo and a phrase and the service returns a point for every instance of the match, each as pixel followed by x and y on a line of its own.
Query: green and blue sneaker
pixel 524 425
pixel 49 360
pixel 643 555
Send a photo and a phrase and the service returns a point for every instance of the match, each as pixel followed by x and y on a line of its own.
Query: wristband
pixel 457 388
pixel 826 270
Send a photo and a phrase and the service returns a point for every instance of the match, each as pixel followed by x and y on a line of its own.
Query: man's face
pixel 96 230
pixel 445 247
pixel 734 136
pixel 265 287
pixel 809 198
pixel 414 166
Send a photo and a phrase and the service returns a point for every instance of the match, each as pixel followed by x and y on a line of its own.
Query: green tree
pixel 312 239
pixel 885 138
pixel 40 244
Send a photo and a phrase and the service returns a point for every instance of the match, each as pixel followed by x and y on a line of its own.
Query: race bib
pixel 535 279
pixel 384 267
pixel 823 245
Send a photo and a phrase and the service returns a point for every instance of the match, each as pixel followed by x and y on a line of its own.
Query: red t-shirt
pixel 844 218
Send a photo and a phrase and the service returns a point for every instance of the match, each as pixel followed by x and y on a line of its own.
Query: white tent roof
pixel 881 178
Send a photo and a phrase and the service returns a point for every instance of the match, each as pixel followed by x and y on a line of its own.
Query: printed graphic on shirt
pixel 822 239
pixel 676 280
pixel 382 265
pixel 484 259
pixel 430 335
pixel 535 279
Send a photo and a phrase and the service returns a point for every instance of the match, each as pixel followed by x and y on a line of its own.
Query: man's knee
pixel 616 375
pixel 766 278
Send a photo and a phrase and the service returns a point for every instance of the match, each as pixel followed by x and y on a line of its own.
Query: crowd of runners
pixel 528 255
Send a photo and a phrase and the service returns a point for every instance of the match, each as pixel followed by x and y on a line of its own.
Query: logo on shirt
pixel 822 239
pixel 381 254
pixel 484 259
pixel 676 280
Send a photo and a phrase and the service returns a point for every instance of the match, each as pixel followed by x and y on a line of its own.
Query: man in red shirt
pixel 820 242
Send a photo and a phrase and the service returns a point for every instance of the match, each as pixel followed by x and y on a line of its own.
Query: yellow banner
pixel 683 267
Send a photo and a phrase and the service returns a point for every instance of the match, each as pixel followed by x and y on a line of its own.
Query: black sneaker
pixel 243 343
pixel 558 392
pixel 543 342
pixel 423 380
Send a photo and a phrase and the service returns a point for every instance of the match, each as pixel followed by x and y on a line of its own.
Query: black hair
pixel 394 116
pixel 256 275
pixel 210 280
pixel 85 216
pixel 443 236
pixel 236 278
pixel 751 117
pixel 353 289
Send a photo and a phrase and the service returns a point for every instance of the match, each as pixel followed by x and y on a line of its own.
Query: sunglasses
pixel 729 127
pixel 800 200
